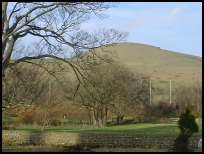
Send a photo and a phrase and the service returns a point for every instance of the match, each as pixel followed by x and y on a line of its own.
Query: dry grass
pixel 160 64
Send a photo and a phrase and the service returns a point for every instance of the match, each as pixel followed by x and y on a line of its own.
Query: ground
pixel 157 129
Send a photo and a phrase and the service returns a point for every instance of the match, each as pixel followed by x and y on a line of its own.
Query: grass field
pixel 63 149
pixel 160 64
pixel 165 129
pixel 159 130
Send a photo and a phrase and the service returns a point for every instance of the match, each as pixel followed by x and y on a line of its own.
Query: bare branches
pixel 43 20
pixel 43 56
pixel 19 18
pixel 112 87
pixel 37 16
pixel 56 25
pixel 14 10
pixel 80 77
pixel 24 84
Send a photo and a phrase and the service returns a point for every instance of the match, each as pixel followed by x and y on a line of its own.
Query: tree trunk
pixel 90 117
pixel 94 118
pixel 4 10
pixel 119 119
pixel 100 123
pixel 101 118
pixel 7 54
pixel 106 114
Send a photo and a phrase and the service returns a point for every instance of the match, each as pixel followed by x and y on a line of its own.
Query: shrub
pixel 28 117
pixel 10 123
pixel 188 126
pixel 161 110
pixel 167 110
pixel 164 120
pixel 139 119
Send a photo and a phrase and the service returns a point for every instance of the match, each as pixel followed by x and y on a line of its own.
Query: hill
pixel 160 64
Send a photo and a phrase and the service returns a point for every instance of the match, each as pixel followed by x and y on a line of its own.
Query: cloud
pixel 176 15
pixel 177 11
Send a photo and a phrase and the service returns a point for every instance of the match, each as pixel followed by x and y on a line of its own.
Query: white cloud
pixel 176 11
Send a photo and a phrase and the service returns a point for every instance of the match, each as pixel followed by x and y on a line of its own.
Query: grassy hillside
pixel 160 64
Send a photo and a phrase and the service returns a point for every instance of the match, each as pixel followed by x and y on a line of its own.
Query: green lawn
pixel 65 149
pixel 164 129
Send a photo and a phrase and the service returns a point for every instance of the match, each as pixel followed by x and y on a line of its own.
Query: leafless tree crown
pixel 55 24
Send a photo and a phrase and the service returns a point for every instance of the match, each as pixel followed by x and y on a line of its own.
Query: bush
pixel 162 110
pixel 139 119
pixel 164 120
pixel 39 115
pixel 10 123
pixel 28 117
pixel 188 126
pixel 9 127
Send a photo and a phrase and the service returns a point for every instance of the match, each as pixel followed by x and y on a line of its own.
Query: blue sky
pixel 172 26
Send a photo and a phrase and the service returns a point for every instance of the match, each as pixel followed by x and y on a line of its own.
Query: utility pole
pixel 49 93
pixel 170 91
pixel 46 122
pixel 150 92
pixel 48 102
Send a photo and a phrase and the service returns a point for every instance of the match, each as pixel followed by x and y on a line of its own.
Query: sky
pixel 175 26
pixel 172 26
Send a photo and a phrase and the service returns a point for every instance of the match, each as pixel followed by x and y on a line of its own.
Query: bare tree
pixel 131 90
pixel 190 95
pixel 109 89
pixel 24 85
pixel 55 25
